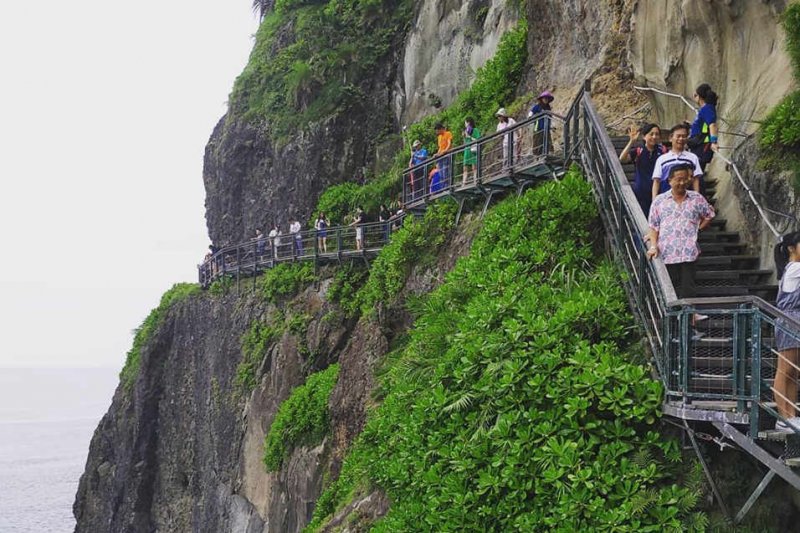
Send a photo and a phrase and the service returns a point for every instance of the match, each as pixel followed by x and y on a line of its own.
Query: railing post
pixel 739 374
pixel 755 386
pixel 339 244
pixel 478 164
pixel 683 357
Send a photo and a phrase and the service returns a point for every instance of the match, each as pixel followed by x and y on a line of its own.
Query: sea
pixel 47 418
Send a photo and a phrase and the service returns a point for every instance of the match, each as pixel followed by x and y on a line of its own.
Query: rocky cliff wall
pixel 182 449
pixel 448 43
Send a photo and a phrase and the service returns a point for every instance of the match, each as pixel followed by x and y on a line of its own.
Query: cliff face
pixel 181 451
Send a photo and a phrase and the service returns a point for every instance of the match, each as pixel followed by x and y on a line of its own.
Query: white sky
pixel 105 110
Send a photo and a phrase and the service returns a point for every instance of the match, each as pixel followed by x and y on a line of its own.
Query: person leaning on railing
pixel 676 217
pixel 787 264
pixel 542 126
pixel 444 141
pixel 418 156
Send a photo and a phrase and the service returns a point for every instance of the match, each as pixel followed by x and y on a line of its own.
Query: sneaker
pixel 700 317
pixel 697 335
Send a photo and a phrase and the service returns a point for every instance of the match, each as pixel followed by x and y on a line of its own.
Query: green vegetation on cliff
pixel 143 333
pixel 311 57
pixel 780 134
pixel 514 406
pixel 302 419
pixel 494 86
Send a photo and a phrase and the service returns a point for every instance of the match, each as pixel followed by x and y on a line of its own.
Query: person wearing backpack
pixel 703 133
pixel 644 159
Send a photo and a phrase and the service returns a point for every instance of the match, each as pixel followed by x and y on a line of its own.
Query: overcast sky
pixel 106 110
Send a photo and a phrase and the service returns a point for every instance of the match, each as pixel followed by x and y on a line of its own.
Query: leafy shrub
pixel 286 279
pixel 780 133
pixel 142 334
pixel 514 406
pixel 347 280
pixel 415 242
pixel 302 419
pixel 254 347
pixel 309 57
pixel 221 285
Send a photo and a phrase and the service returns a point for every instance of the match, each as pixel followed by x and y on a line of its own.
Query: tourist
pixel 644 159
pixel 398 217
pixel 321 225
pixel 676 217
pixel 418 156
pixel 471 135
pixel 678 153
pixel 436 180
pixel 357 222
pixel 703 133
pixel 260 241
pixel 505 122
pixel 444 141
pixel 294 229
pixel 787 263
pixel 541 137
pixel 275 239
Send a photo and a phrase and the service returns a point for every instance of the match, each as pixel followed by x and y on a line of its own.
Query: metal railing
pixel 488 160
pixel 332 244
pixel 728 360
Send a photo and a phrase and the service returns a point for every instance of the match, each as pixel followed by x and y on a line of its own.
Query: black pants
pixel 682 276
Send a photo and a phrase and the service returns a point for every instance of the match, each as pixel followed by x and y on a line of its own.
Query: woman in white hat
pixel 504 122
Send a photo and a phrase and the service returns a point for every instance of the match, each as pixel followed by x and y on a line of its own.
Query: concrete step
pixel 713 234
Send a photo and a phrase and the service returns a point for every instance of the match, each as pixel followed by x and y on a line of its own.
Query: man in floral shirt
pixel 676 217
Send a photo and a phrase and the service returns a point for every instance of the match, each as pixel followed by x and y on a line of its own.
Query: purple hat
pixel 546 95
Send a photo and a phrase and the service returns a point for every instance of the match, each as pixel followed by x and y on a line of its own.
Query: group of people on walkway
pixel 439 175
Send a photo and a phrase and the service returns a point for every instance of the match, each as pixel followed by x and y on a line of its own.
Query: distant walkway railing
pixel 321 246
pixel 503 155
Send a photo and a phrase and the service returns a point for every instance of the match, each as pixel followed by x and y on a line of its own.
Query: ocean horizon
pixel 47 418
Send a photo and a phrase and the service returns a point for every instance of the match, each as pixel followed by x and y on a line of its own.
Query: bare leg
pixel 786 382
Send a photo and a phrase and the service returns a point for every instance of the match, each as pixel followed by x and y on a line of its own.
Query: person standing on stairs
pixel 785 388
pixel 678 136
pixel 676 217
pixel 471 134
pixel 644 159
pixel 703 133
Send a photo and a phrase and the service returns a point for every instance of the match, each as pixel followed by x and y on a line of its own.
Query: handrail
pixel 486 139
pixel 690 105
pixel 744 185
pixel 265 252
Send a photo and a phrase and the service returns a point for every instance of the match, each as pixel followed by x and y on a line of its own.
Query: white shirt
pixel 791 277
pixel 503 125
pixel 670 157
pixel 294 227
pixel 275 235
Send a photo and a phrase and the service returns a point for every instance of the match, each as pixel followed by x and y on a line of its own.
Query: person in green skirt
pixel 471 134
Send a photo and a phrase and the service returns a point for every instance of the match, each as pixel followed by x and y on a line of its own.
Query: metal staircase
pixel 721 378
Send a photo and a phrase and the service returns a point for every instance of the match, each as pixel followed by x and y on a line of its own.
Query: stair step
pixel 724 247
pixel 722 362
pixel 736 290
pixel 726 261
pixel 717 235
pixel 730 274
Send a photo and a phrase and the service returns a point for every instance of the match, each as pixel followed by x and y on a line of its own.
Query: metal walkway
pixel 511 160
